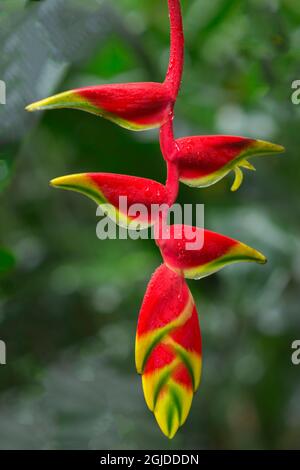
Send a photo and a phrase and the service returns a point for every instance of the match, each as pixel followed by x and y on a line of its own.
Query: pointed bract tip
pixel 246 253
pixel 67 99
pixel 260 258
pixel 168 430
pixel 30 107
pixel 172 434
pixel 262 147
pixel 69 181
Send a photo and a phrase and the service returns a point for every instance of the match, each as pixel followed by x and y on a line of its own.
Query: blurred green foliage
pixel 68 309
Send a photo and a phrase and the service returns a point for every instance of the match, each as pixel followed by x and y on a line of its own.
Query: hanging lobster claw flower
pixel 134 106
pixel 204 160
pixel 168 349
pixel 126 199
pixel 197 253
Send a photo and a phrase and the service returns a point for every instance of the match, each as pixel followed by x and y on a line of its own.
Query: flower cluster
pixel 168 340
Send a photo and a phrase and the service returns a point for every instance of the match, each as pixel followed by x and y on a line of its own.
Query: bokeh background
pixel 68 302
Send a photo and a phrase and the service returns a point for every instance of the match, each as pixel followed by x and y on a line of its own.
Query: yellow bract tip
pixel 68 181
pixel 263 147
pixel 260 258
pixel 67 99
pixel 31 107
pixel 244 252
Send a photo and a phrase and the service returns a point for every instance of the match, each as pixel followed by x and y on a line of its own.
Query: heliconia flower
pixel 134 106
pixel 204 160
pixel 168 349
pixel 128 200
pixel 195 252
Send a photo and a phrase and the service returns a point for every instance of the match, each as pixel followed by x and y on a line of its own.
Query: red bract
pixel 168 341
pixel 204 160
pixel 135 106
pixel 128 200
pixel 196 253
pixel 168 349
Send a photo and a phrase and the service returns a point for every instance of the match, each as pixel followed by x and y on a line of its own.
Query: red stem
pixel 173 76
pixel 172 186
pixel 175 69
pixel 167 140
pixel 172 183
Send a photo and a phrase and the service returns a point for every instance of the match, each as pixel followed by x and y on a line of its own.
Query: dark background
pixel 68 302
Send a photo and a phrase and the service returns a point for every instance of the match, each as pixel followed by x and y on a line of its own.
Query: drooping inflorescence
pixel 168 339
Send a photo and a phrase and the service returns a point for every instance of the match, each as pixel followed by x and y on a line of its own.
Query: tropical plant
pixel 168 340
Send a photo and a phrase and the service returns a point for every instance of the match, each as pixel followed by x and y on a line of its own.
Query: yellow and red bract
pixel 204 160
pixel 134 106
pixel 195 252
pixel 108 189
pixel 168 349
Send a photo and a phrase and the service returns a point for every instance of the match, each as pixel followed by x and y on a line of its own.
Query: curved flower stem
pixel 172 183
pixel 175 68
pixel 167 140
pixel 161 229
pixel 173 76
